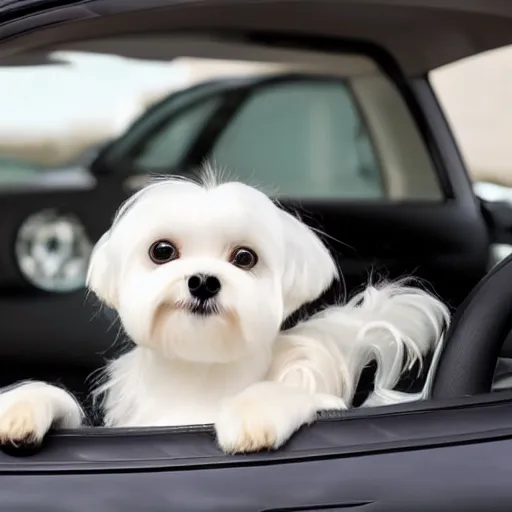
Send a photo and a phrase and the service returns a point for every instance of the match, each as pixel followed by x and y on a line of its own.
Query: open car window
pixel 332 134
pixel 320 129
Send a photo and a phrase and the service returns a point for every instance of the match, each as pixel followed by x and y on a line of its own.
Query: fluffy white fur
pixel 233 367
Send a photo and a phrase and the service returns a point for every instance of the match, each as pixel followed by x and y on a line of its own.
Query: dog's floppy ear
pixel 100 275
pixel 309 267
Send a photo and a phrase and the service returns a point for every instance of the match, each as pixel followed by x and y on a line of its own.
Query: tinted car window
pixel 303 139
pixel 172 141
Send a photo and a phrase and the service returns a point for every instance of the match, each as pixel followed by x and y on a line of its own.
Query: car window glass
pixel 302 139
pixel 166 149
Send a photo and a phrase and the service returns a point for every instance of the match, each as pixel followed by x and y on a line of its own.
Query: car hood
pixel 420 34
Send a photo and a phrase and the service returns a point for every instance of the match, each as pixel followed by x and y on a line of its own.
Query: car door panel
pixel 412 458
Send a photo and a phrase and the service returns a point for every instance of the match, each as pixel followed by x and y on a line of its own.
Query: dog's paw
pixel 266 415
pixel 19 425
pixel 28 411
pixel 245 426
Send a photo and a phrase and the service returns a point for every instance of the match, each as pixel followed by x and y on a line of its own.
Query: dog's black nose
pixel 203 287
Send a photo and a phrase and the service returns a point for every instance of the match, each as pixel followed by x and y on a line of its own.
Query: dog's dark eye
pixel 162 252
pixel 244 258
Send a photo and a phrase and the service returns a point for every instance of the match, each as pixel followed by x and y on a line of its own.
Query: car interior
pixel 332 133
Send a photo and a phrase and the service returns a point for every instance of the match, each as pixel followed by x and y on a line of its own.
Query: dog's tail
pixel 393 323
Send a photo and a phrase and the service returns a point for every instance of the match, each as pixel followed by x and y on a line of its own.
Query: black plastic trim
pixel 455 171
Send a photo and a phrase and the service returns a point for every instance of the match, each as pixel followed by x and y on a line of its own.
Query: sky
pixel 100 88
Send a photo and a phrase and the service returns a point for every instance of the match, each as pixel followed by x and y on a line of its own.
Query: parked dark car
pixel 349 131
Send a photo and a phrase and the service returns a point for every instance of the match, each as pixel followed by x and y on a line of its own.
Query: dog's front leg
pixel 29 409
pixel 266 414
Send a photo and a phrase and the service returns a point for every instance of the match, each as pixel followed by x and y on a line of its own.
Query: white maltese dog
pixel 202 276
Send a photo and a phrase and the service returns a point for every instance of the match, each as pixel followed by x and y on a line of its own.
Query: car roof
pixel 420 34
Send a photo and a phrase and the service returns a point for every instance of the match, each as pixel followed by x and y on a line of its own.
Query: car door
pixel 444 456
